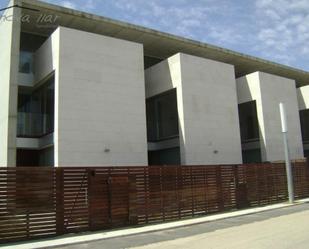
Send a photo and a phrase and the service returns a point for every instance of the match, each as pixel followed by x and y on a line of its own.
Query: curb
pixel 74 239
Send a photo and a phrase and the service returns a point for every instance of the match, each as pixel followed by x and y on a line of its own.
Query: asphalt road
pixel 282 228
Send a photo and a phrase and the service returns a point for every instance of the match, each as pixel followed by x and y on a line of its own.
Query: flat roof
pixel 156 44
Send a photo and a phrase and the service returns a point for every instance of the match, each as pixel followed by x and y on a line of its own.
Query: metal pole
pixel 286 152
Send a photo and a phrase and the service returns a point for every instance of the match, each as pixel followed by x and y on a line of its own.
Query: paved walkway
pixel 130 237
pixel 285 228
pixel 289 231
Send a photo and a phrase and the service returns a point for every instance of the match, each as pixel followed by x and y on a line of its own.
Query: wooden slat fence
pixel 40 202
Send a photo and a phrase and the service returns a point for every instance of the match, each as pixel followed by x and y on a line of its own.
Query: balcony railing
pixel 250 140
pixel 26 62
pixel 34 124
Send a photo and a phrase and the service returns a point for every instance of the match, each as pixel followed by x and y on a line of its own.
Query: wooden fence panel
pixel 98 195
pixel 75 200
pixel 228 183
pixel 27 204
pixel 40 202
pixel 301 179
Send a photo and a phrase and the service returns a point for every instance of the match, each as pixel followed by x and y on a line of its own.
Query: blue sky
pixel 277 30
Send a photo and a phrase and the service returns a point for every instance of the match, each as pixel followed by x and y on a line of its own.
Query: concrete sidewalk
pixel 285 228
pixel 69 239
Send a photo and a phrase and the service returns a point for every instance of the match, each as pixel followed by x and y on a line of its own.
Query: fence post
pixel 109 189
pixel 177 191
pixel 133 218
pixel 192 192
pixel 146 192
pixel 59 202
pixel 307 173
pixel 91 173
pixel 219 188
pixel 236 184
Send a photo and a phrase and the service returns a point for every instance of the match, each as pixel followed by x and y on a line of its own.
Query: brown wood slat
pixel 40 202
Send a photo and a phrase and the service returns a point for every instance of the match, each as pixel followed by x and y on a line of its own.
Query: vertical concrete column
pixel 9 62
pixel 100 116
pixel 268 91
pixel 210 113
pixel 303 104
pixel 303 97
pixel 207 107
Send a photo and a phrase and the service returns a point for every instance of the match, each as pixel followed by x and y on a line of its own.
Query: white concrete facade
pixel 207 107
pixel 268 91
pixel 103 77
pixel 303 103
pixel 303 97
pixel 9 58
pixel 99 99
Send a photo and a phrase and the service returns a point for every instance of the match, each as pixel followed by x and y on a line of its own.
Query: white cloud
pixel 90 4
pixel 177 19
pixel 273 29
pixel 68 4
pixel 191 19
pixel 85 5
pixel 283 29
pixel 225 36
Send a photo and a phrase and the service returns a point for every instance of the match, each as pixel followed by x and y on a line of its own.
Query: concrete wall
pixel 303 97
pixel 248 89
pixel 9 59
pixel 268 91
pixel 207 107
pixel 99 99
pixel 46 58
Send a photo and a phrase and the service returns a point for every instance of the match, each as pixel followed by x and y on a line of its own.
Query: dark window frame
pixel 304 121
pixel 251 123
pixel 45 109
pixel 154 124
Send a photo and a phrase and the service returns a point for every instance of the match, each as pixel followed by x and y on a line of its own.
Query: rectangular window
pixel 304 120
pixel 252 156
pixel 162 116
pixel 249 127
pixel 26 62
pixel 29 44
pixel 36 111
pixel 165 157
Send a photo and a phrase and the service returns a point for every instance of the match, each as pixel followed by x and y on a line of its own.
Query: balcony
pixel 34 124
pixel 36 110
pixel 26 68
pixel 162 117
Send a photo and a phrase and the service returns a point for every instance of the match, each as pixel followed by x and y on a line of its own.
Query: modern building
pixel 83 90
